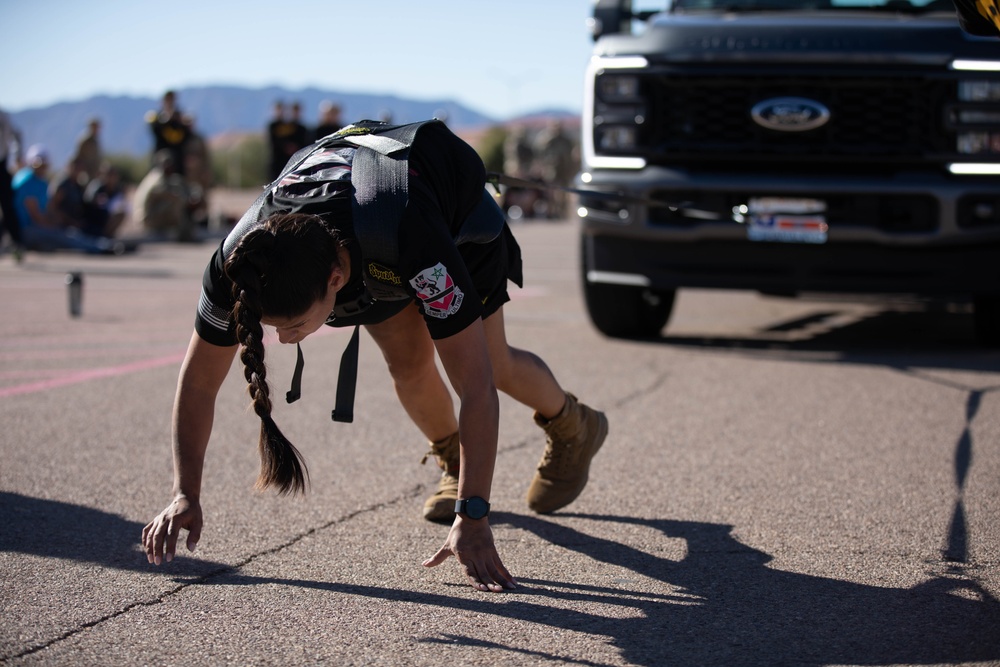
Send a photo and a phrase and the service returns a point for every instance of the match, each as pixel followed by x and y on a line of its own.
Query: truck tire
pixel 627 311
pixel 987 320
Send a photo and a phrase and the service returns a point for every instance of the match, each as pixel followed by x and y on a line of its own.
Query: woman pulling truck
pixel 296 261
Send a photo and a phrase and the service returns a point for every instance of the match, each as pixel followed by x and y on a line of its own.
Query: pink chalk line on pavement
pixel 76 377
pixel 91 374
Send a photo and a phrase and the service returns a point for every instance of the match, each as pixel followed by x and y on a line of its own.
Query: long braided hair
pixel 279 269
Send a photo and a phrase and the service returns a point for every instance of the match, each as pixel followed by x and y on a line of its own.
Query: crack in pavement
pixel 204 578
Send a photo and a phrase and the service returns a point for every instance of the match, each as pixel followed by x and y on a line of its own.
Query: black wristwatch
pixel 474 508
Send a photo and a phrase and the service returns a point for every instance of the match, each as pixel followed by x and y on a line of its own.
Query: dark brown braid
pixel 285 264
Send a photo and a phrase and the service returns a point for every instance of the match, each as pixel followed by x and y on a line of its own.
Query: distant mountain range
pixel 220 110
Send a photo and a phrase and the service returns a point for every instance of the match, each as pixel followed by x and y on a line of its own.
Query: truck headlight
pixel 618 88
pixel 616 138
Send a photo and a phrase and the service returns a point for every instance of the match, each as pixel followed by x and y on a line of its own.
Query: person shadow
pixel 722 605
pixel 52 529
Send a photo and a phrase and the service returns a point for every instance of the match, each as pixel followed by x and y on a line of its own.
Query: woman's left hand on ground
pixel 470 541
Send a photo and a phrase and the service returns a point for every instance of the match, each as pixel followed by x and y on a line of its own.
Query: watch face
pixel 476 508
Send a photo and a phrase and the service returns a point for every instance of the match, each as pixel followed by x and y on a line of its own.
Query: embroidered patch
pixel 384 274
pixel 438 292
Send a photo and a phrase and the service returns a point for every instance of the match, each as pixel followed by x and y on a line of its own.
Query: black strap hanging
pixel 347 380
pixel 295 392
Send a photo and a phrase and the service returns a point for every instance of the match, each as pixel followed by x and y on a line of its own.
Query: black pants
pixel 10 222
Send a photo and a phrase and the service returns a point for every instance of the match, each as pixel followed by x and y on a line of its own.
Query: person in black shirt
pixel 170 132
pixel 286 135
pixel 295 262
pixel 329 120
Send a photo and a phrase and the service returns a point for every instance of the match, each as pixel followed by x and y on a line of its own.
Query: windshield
pixel 909 6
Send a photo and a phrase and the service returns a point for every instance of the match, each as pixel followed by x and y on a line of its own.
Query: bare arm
pixel 204 369
pixel 467 363
pixel 202 374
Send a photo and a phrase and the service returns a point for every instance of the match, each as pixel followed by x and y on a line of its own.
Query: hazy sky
pixel 499 57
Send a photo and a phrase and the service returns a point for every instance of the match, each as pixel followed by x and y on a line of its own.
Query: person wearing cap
pixel 31 188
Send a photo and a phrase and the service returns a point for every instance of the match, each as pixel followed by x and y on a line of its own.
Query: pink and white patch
pixel 438 292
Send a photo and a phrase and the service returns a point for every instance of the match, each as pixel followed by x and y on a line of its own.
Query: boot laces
pixel 558 457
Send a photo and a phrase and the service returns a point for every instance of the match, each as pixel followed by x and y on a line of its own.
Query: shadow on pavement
pixel 926 335
pixel 54 529
pixel 721 605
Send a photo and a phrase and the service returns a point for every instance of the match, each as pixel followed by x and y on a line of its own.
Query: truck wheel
pixel 987 320
pixel 626 311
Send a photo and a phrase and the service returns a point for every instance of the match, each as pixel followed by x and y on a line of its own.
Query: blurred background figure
pixel 329 120
pixel 162 202
pixel 557 164
pixel 286 135
pixel 197 173
pixel 275 130
pixel 31 192
pixel 105 204
pixel 519 162
pixel 88 150
pixel 65 205
pixel 169 130
pixel 10 149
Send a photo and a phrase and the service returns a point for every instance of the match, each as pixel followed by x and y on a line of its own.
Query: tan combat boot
pixel 574 436
pixel 441 505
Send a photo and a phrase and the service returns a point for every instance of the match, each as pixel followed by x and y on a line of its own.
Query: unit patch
pixel 438 292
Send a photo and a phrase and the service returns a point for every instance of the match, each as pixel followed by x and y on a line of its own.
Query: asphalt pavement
pixel 786 482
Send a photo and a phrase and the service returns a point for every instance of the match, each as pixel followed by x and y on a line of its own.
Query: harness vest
pixel 378 181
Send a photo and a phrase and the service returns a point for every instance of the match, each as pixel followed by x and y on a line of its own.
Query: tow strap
pixel 497 179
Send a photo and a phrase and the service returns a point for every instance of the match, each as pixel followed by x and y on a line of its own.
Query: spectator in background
pixel 329 120
pixel 198 173
pixel 31 189
pixel 88 150
pixel 286 135
pixel 170 133
pixel 10 147
pixel 275 140
pixel 104 202
pixel 162 201
pixel 39 230
pixel 65 205
pixel 557 164
pixel 519 162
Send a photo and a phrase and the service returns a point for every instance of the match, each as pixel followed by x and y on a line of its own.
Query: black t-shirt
pixel 446 183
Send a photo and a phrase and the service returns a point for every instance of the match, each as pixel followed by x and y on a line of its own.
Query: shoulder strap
pixel 379 175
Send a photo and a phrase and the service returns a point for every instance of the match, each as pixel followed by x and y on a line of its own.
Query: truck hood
pixel 815 36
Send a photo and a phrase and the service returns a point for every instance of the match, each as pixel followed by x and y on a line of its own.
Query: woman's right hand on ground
pixel 159 537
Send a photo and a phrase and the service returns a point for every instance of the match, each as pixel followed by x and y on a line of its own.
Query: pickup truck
pixel 788 147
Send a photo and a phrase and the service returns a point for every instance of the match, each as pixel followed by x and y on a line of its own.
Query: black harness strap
pixel 295 392
pixel 347 380
pixel 380 176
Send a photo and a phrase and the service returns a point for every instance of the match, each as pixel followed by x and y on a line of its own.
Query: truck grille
pixel 701 118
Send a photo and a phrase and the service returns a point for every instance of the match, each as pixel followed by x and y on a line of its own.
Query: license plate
pixel 786 220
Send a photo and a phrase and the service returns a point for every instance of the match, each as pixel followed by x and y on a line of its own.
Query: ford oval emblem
pixel 790 114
